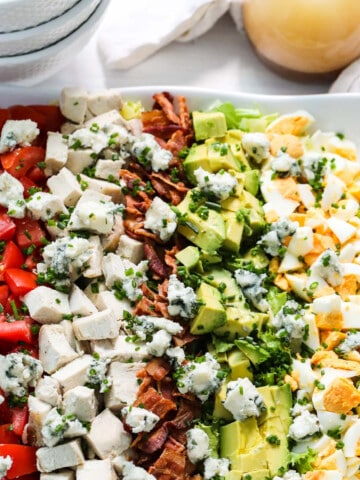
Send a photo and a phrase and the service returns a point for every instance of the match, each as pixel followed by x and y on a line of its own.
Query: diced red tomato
pixel 26 348
pixel 11 258
pixel 28 232
pixel 20 281
pixel 18 331
pixel 31 261
pixel 13 302
pixel 27 183
pixel 19 418
pixel 23 458
pixel 7 227
pixel 4 294
pixel 7 435
pixel 37 174
pixel 19 161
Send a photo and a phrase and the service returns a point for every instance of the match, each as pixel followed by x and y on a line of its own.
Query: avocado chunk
pixel 239 365
pixel 223 280
pixel 251 181
pixel 189 257
pixel 233 232
pixel 253 460
pixel 240 322
pixel 254 353
pixel 268 400
pixel 207 234
pixel 239 437
pixel 233 138
pixel 213 439
pixel 208 124
pixel 211 313
pixel 277 451
pixel 219 410
pixel 283 402
pixel 256 475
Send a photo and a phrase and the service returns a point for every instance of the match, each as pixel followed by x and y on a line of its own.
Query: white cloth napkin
pixel 139 28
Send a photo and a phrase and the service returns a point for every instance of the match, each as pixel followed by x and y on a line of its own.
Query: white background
pixel 222 58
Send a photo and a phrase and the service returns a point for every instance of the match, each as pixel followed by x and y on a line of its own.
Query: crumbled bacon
pixel 167 106
pixel 156 265
pixel 157 368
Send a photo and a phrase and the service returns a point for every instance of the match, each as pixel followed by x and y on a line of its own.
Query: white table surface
pixel 222 58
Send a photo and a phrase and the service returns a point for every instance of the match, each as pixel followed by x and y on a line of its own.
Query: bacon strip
pixel 156 265
pixel 156 403
pixel 167 107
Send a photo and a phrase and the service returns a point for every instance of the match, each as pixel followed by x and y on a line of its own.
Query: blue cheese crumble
pixel 328 267
pixel 290 321
pixel 216 467
pixel 56 427
pixel 271 241
pixel 243 400
pixel 219 185
pixel 12 195
pixel 201 377
pixel 304 426
pixel 5 465
pixel 148 152
pixel 350 343
pixel 251 286
pixel 160 219
pixel 17 132
pixel 182 299
pixel 284 163
pixel 139 419
pixel 96 375
pixel 197 445
pixel 18 372
pixel 256 145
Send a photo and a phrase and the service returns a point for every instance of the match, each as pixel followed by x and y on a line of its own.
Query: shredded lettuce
pixel 246 119
pixel 303 462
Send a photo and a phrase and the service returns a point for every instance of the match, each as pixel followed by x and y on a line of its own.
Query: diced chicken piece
pixel 102 186
pixel 95 469
pixel 65 474
pixel 79 302
pixel 99 326
pixel 48 390
pixel 74 343
pixel 61 456
pixel 79 159
pixel 108 169
pixel 111 241
pixel 65 186
pixel 67 128
pixel 131 249
pixel 55 232
pixel 38 411
pixel 56 152
pixel 107 435
pixel 113 269
pixel 93 289
pixel 54 349
pixel 103 101
pixel 73 103
pixel 135 126
pixel 107 299
pixel 111 117
pixel 81 402
pixel 46 305
pixel 125 385
pixel 74 373
pixel 44 205
pixel 93 212
pixel 94 268
pixel 120 349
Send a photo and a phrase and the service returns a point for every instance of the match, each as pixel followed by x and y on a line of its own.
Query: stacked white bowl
pixel 38 37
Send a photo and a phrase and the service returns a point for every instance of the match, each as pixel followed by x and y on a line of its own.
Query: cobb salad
pixel 179 292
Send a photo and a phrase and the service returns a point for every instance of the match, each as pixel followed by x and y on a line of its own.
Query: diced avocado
pixel 208 124
pixel 268 400
pixel 277 451
pixel 240 322
pixel 257 257
pixel 239 365
pixel 221 157
pixel 234 475
pixel 208 258
pixel 213 439
pixel 188 256
pixel 256 212
pixel 239 437
pixel 256 475
pixel 253 460
pixel 207 234
pixel 283 402
pixel 196 158
pixel 255 354
pixel 251 181
pixel 233 232
pixel 219 410
pixel 233 138
pixel 223 279
pixel 211 313
pixel 233 204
